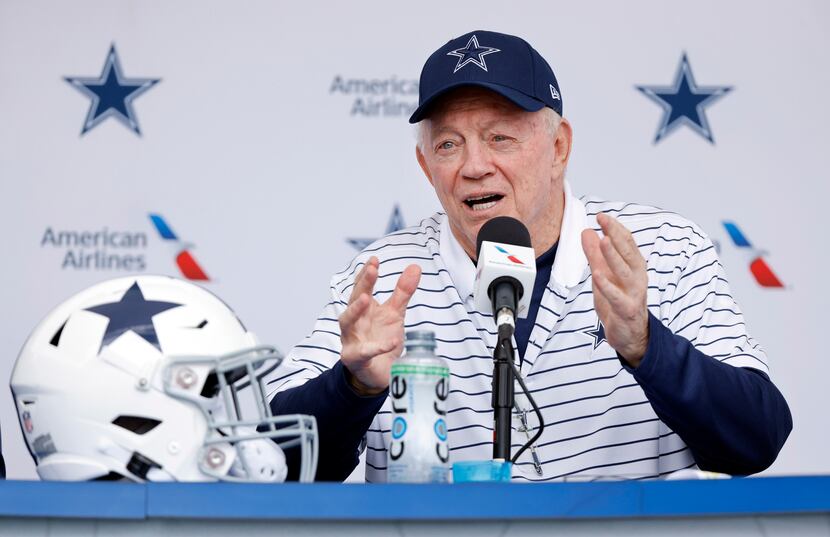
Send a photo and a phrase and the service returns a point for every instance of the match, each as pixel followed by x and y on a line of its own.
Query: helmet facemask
pixel 244 440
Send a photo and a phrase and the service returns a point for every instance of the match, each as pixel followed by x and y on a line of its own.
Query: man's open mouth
pixel 482 203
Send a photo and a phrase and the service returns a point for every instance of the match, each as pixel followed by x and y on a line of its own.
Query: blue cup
pixel 481 471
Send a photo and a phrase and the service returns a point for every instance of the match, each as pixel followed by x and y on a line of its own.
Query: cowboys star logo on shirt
pixel 597 334
pixel 472 53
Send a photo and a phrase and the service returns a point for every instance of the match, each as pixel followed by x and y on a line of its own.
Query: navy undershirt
pixel 544 265
pixel 733 419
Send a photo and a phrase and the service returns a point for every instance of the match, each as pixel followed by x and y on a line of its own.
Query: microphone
pixel 505 271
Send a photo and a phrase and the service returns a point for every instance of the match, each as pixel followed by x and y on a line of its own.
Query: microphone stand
pixel 503 389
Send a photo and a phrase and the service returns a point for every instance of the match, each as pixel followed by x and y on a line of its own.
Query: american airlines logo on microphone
pixel 498 260
pixel 512 258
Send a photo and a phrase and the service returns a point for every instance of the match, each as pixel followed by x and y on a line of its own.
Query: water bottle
pixel 419 387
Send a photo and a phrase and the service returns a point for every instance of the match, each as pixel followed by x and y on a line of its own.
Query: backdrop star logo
pixel 472 53
pixel 598 334
pixel 111 94
pixel 395 224
pixel 132 313
pixel 684 103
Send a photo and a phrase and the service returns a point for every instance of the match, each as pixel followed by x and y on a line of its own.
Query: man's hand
pixel 371 334
pixel 620 287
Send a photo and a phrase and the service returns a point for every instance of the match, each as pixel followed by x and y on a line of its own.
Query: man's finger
pixel 616 298
pixel 365 280
pixel 370 349
pixel 405 288
pixel 353 312
pixel 622 238
pixel 619 268
pixel 590 245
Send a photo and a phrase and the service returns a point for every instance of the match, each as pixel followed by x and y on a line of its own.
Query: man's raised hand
pixel 371 333
pixel 620 285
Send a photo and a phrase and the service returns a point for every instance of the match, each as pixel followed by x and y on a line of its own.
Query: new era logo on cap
pixel 554 94
pixel 501 63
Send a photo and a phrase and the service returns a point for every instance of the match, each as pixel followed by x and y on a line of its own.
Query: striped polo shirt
pixel 598 422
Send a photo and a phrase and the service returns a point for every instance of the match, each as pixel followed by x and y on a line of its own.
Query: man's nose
pixel 478 163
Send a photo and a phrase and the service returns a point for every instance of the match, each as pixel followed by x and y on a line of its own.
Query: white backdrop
pixel 278 131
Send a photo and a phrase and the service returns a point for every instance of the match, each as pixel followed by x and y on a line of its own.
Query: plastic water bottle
pixel 419 387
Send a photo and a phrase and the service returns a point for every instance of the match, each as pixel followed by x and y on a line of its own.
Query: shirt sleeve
pixel 707 379
pixel 312 380
pixel 342 416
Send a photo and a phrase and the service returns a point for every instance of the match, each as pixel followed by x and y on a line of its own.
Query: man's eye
pixel 446 146
pixel 500 138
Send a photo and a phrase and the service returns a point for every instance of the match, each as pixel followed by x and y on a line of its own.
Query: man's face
pixel 486 157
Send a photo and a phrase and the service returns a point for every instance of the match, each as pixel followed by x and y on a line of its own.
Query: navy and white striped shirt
pixel 602 418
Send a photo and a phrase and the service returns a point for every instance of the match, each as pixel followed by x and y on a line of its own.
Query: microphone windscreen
pixel 504 230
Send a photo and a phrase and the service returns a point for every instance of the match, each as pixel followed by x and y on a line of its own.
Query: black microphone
pixel 505 273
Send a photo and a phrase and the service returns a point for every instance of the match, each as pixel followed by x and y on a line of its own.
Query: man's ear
pixel 562 144
pixel 423 162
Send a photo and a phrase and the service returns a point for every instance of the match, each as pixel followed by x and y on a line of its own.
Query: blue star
pixel 685 102
pixel 395 224
pixel 111 94
pixel 132 313
pixel 598 334
pixel 472 53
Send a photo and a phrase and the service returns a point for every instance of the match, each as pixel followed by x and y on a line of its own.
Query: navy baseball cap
pixel 502 63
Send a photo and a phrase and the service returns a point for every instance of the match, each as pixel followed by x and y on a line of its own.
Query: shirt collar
pixel 568 267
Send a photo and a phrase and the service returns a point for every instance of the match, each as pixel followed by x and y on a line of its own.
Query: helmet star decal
pixel 472 53
pixel 132 313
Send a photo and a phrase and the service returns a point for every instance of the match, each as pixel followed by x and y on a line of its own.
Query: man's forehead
pixel 475 100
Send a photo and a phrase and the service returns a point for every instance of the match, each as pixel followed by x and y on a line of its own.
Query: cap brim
pixel 518 98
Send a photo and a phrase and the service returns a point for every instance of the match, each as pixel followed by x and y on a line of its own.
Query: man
pixel 634 349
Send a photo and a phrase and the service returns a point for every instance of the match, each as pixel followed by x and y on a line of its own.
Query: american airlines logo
pixel 758 266
pixel 512 258
pixel 101 249
pixel 389 96
pixel 187 264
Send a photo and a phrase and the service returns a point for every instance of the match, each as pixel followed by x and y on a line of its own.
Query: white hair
pixel 552 122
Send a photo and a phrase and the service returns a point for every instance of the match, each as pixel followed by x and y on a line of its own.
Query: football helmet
pixel 151 378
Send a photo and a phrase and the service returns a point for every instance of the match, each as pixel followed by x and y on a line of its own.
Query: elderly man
pixel 633 348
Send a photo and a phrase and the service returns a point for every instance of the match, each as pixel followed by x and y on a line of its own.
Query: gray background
pixel 250 156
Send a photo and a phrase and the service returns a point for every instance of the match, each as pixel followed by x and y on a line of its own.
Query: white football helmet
pixel 151 378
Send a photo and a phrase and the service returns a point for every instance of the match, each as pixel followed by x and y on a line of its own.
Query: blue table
pixel 788 503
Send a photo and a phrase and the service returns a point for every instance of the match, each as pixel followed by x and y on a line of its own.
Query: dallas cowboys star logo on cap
pixel 684 103
pixel 111 94
pixel 132 313
pixel 472 53
pixel 598 334
pixel 395 224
